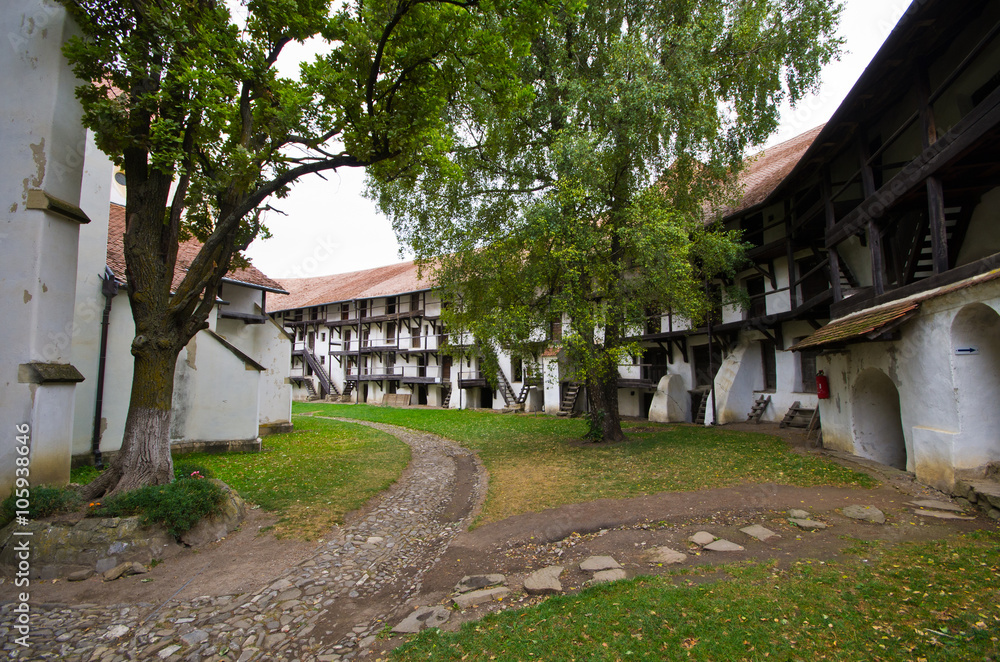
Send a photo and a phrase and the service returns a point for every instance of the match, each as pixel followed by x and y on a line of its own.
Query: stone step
pixel 983 492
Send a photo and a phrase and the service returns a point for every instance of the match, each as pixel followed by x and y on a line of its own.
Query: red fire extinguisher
pixel 822 386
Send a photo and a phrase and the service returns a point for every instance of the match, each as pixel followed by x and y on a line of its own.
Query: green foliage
pixel 83 474
pixel 43 501
pixel 927 601
pixel 188 98
pixel 178 506
pixel 589 200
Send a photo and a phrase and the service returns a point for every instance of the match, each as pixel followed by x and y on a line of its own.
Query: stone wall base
pixel 183 448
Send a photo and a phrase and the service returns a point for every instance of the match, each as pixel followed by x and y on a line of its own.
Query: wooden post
pixel 831 220
pixel 790 253
pixel 874 237
pixel 935 190
pixel 939 232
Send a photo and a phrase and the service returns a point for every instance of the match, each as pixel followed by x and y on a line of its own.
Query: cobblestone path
pixel 327 608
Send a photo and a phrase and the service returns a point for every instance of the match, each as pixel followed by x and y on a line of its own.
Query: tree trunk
pixel 602 396
pixel 144 458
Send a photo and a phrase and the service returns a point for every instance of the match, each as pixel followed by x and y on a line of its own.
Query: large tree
pixel 186 96
pixel 590 203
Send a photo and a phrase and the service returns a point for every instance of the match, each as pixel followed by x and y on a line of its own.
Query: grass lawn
pixel 915 602
pixel 309 478
pixel 536 461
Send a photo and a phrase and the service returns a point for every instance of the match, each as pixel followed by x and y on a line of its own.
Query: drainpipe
pixel 109 288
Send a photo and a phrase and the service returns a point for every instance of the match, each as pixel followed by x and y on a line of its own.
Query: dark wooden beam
pixel 768 274
pixel 831 220
pixel 966 134
pixel 864 300
pixel 790 254
pixel 874 236
pixel 939 232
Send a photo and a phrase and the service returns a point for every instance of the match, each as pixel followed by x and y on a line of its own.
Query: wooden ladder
pixel 758 408
pixel 447 397
pixel 699 418
pixel 569 398
pixel 798 416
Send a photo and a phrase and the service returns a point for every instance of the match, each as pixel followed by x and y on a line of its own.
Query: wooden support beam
pixel 939 232
pixel 874 236
pixel 793 296
pixel 767 274
pixel 967 133
pixel 831 220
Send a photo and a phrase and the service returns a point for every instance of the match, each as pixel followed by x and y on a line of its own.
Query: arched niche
pixel 878 428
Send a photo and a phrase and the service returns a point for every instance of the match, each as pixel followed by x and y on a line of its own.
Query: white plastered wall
pixel 44 147
pixel 943 436
pixel 268 345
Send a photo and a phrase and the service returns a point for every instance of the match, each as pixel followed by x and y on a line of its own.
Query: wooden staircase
pixel 699 417
pixel 447 396
pixel 570 396
pixel 798 416
pixel 310 389
pixel 326 385
pixel 758 408
pixel 348 389
pixel 507 391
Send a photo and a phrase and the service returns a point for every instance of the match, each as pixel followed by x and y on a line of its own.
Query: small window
pixel 322 337
pixel 807 370
pixel 755 288
pixel 390 306
pixel 345 311
pixel 753 229
pixel 769 363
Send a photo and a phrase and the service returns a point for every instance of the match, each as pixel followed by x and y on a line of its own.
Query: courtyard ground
pixel 625 528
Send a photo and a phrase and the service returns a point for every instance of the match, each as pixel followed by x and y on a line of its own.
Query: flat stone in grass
pixel 936 505
pixel 796 513
pixel 940 514
pixel 702 538
pixel 759 532
pixel 476 582
pixel 544 581
pixel 422 617
pixel 665 556
pixel 466 600
pixel 610 575
pixel 595 563
pixel 865 514
pixel 722 545
pixel 807 524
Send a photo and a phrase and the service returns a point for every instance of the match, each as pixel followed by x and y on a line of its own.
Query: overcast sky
pixel 331 228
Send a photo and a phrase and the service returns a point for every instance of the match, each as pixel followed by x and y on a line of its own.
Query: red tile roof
pixel 186 253
pixel 769 167
pixel 321 290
